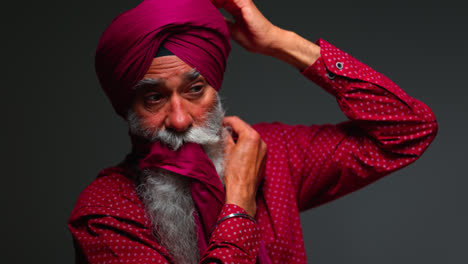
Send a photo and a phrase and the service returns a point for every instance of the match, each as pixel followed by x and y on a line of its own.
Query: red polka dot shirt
pixel 306 167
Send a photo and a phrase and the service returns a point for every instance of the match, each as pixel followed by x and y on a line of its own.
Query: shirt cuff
pixel 239 231
pixel 335 69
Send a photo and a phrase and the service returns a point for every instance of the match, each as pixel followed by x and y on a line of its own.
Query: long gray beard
pixel 170 207
pixel 166 195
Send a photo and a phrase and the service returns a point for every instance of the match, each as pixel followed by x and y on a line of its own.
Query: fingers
pixel 240 127
pixel 229 140
pixel 248 138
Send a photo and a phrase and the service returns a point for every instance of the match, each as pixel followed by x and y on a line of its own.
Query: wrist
pixel 277 43
pixel 246 200
pixel 249 207
pixel 293 49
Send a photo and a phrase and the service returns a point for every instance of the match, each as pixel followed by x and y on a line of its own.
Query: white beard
pixel 170 207
pixel 167 196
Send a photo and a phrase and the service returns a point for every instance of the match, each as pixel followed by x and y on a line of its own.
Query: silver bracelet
pixel 234 215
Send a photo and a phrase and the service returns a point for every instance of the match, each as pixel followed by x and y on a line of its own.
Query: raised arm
pixel 258 35
pixel 386 131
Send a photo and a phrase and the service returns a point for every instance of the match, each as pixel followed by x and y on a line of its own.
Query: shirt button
pixel 330 75
pixel 339 65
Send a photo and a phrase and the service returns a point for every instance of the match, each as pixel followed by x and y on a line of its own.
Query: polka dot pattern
pixel 306 166
pixel 311 165
pixel 235 239
pixel 109 223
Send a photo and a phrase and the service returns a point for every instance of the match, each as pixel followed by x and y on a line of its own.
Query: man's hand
pixel 256 34
pixel 250 28
pixel 244 163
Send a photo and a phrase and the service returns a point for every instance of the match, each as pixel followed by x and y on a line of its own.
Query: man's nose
pixel 178 119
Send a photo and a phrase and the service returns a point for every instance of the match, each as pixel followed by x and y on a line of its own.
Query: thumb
pixel 230 24
pixel 235 31
pixel 229 140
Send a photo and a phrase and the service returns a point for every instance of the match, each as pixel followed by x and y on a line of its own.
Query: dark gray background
pixel 60 130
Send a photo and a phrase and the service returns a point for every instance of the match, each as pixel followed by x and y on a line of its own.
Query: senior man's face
pixel 173 96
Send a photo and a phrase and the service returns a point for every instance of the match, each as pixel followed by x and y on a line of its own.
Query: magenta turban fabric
pixel 194 30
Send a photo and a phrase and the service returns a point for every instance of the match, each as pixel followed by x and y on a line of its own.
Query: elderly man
pixel 201 187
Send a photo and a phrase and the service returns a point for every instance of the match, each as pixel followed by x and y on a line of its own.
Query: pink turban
pixel 193 30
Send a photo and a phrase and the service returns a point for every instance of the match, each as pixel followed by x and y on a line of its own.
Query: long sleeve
pixel 235 240
pixel 109 225
pixel 386 131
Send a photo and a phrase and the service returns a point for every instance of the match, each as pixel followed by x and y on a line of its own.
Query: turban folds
pixel 194 30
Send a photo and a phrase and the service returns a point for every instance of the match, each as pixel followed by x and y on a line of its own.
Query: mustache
pixel 210 132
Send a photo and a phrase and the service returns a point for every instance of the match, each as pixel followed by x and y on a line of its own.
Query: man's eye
pixel 196 88
pixel 153 97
